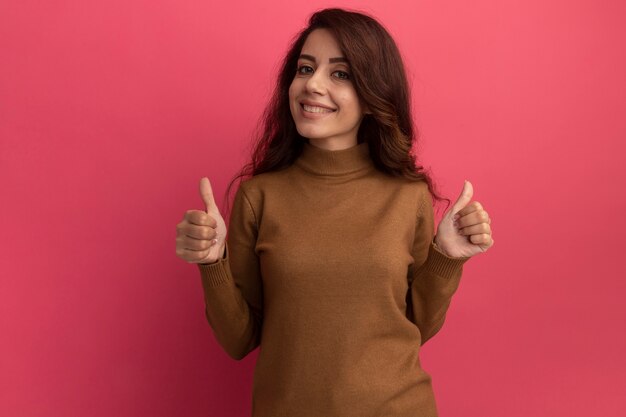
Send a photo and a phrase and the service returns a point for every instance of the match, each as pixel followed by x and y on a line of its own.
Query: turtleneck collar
pixel 320 161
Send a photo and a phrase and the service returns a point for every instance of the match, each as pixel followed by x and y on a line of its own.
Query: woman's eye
pixel 304 69
pixel 342 75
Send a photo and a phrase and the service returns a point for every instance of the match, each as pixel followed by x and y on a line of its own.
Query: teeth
pixel 314 109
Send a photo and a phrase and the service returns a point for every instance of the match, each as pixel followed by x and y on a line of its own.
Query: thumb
pixel 206 192
pixel 464 198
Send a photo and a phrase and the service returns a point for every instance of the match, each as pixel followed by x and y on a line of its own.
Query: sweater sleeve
pixel 233 286
pixel 433 277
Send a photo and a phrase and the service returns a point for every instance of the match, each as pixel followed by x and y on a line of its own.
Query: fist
pixel 201 235
pixel 465 230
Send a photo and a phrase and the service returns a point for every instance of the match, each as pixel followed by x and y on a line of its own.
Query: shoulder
pixel 416 189
pixel 263 182
pixel 420 188
pixel 256 188
pixel 417 195
pixel 408 196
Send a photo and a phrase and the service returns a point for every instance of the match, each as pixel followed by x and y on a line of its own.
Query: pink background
pixel 111 112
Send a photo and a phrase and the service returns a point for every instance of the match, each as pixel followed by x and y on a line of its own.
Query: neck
pixel 334 144
pixel 319 161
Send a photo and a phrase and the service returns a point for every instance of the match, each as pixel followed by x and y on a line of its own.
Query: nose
pixel 316 83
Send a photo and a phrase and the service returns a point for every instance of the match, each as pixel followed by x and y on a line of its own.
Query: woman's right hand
pixel 201 235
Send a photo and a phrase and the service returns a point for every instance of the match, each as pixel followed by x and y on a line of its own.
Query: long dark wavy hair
pixel 379 78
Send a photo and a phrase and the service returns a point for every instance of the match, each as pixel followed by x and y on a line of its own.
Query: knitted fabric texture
pixel 331 271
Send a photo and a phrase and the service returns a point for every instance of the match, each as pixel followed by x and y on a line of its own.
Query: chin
pixel 310 133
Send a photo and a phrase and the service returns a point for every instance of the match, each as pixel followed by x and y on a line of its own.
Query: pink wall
pixel 111 112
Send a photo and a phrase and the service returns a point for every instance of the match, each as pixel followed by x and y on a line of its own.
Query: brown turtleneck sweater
pixel 330 268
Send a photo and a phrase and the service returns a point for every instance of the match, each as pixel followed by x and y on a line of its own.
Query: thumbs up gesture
pixel 465 229
pixel 201 235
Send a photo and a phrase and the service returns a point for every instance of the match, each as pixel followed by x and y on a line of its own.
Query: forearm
pixel 235 325
pixel 432 288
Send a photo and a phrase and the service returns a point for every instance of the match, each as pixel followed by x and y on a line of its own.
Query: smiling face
pixel 323 102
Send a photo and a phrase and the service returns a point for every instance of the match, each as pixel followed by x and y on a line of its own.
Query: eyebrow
pixel 331 60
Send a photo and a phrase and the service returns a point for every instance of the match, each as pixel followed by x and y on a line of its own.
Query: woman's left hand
pixel 465 229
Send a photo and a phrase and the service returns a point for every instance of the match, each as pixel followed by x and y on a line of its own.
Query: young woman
pixel 331 265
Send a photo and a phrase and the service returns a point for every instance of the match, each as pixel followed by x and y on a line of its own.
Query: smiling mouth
pixel 315 109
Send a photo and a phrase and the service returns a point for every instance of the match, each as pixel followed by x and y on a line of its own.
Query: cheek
pixel 293 93
pixel 292 97
pixel 294 89
pixel 350 101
